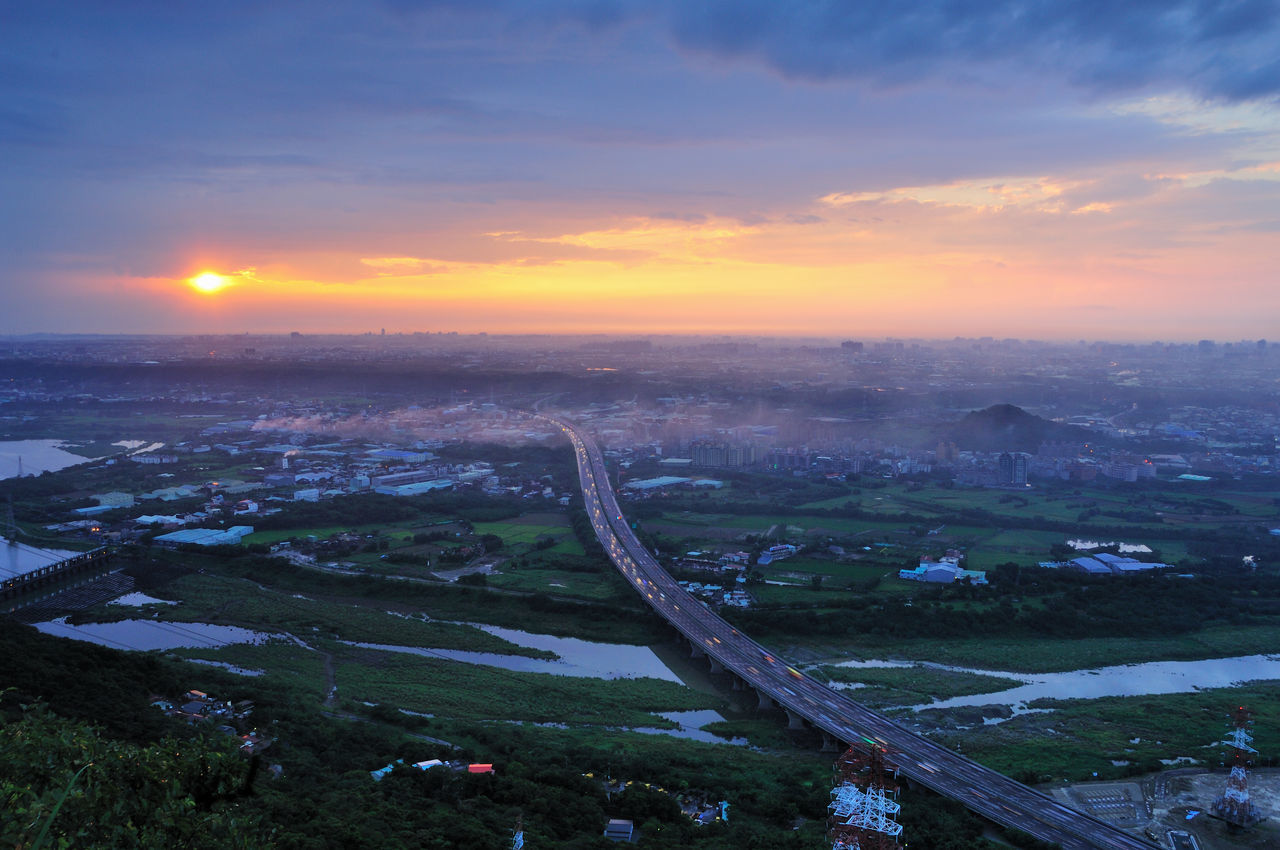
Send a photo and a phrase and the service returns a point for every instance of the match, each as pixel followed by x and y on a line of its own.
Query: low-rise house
pixel 620 830
pixel 776 553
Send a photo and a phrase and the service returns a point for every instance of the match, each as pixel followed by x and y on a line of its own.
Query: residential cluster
pixel 196 707
pixel 305 455
pixel 695 805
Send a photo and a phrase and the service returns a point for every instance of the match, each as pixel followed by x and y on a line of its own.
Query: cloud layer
pixel 558 165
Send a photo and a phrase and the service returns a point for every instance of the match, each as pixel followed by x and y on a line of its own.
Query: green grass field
pixel 282 660
pixel 321 533
pixel 600 586
pixel 517 533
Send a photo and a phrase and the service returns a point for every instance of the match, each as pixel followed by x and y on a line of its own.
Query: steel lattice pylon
pixel 1234 805
pixel 861 813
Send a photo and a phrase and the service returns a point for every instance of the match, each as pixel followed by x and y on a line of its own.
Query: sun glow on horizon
pixel 209 282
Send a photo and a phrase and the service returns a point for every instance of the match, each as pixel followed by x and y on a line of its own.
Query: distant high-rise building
pixel 724 454
pixel 1013 468
pixel 788 458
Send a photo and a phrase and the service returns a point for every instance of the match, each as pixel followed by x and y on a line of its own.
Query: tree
pixel 65 786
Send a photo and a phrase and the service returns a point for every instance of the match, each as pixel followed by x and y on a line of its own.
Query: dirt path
pixel 330 679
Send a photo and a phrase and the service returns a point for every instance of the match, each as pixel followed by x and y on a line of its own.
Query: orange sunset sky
pixel 1009 169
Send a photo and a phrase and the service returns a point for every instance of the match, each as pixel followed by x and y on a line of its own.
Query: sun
pixel 209 282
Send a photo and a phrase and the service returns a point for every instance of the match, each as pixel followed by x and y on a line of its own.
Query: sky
pixel 1015 168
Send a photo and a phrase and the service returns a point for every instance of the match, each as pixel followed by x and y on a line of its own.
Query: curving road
pixel 983 790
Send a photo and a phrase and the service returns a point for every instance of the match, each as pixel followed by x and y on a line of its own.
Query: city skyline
pixel 1015 169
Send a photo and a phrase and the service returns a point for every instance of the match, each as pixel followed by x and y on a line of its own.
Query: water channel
pixel 587 659
pixel 1155 677
pixel 576 657
pixel 629 662
pixel 36 456
pixel 39 456
pixel 145 635
pixel 18 559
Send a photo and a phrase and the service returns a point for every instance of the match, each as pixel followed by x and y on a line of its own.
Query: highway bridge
pixel 808 701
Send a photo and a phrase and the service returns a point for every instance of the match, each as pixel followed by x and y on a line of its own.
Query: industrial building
pixel 205 536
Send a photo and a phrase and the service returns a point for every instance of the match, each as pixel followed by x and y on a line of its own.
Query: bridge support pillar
pixel 736 683
pixel 695 651
pixel 764 700
pixel 829 744
pixel 716 666
pixel 794 721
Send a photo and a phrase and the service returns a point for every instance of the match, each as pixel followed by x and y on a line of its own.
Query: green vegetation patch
pixel 283 660
pixel 523 532
pixel 913 685
pixel 618 622
pixel 215 599
pixel 1036 655
pixel 62 783
pixel 1080 737
pixel 764 732
pixel 596 586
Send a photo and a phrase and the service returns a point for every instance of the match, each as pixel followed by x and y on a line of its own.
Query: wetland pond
pixel 1127 680
pixel 145 635
pixel 576 657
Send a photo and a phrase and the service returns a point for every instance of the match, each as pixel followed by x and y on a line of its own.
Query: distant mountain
pixel 1007 427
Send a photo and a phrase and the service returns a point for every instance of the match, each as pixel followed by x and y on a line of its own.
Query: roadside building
pixel 655 483
pixel 942 572
pixel 205 536
pixel 416 488
pixel 620 830
pixel 776 553
pixel 1120 565
pixel 1090 566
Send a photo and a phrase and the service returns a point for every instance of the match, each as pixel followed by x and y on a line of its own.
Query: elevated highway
pixel 807 701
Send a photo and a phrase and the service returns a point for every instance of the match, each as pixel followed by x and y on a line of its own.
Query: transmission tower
pixel 862 810
pixel 1234 805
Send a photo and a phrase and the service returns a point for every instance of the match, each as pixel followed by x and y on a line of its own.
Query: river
pixel 1127 680
pixel 36 456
